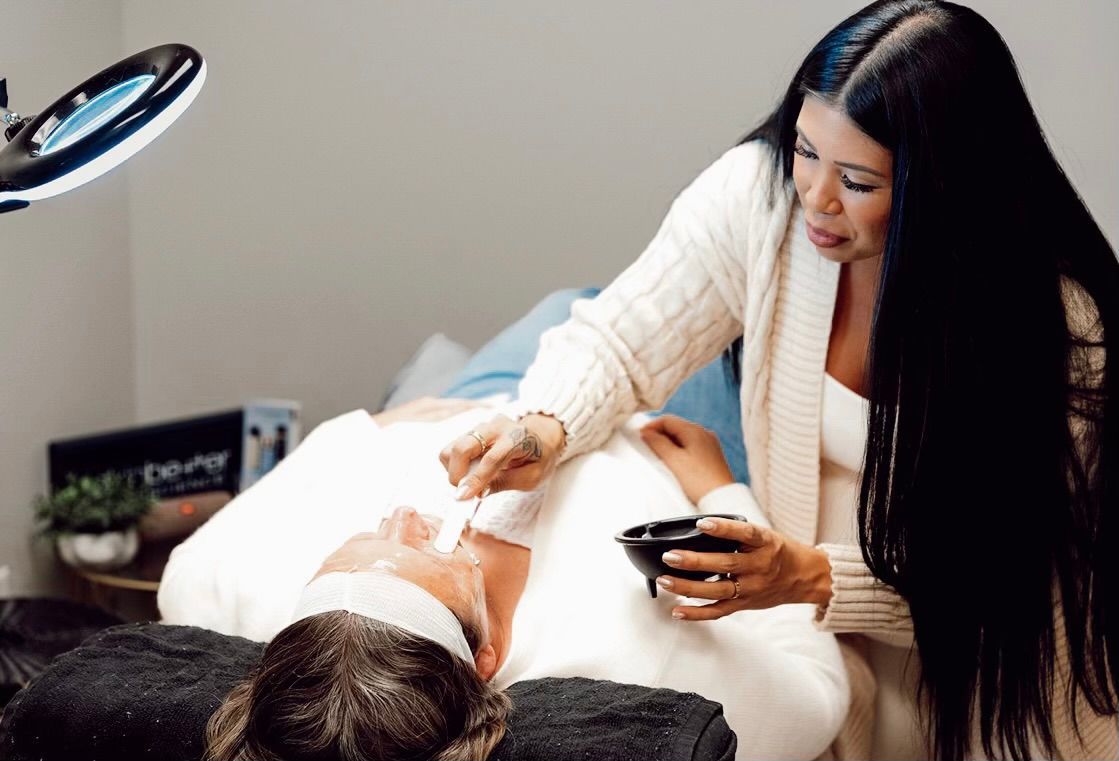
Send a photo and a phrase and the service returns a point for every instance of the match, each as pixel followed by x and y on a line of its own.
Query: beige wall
pixel 66 339
pixel 357 175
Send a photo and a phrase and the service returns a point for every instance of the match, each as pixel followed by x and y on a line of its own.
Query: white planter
pixel 99 552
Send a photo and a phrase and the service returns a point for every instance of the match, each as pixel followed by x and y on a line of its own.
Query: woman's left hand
pixel 770 570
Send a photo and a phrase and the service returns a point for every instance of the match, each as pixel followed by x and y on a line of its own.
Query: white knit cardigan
pixel 725 263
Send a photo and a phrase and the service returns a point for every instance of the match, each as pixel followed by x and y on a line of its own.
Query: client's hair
pixel 341 686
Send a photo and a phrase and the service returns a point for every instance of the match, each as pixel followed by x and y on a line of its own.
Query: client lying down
pixel 381 647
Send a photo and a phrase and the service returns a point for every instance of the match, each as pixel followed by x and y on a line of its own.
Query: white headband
pixel 387 598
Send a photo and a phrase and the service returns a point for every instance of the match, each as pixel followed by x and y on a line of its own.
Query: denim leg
pixel 499 365
pixel 709 397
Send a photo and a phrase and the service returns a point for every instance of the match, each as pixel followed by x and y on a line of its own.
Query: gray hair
pixel 341 686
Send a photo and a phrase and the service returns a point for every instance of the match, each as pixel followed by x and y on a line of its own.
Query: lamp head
pixel 97 125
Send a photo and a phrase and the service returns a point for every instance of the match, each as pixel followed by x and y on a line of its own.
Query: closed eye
pixel 800 150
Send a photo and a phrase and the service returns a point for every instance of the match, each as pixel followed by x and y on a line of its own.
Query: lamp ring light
pixel 97 125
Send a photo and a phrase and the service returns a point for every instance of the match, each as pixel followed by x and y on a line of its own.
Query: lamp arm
pixel 14 121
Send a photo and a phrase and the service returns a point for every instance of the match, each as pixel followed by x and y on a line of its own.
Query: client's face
pixel 403 547
pixel 331 685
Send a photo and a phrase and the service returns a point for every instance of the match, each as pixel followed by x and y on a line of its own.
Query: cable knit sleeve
pixel 668 314
pixel 1086 371
pixel 859 601
pixel 1097 736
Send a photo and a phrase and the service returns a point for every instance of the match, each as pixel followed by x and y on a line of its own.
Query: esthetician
pixel 920 306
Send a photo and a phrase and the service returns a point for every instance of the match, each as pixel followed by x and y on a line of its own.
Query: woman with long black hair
pixel 920 308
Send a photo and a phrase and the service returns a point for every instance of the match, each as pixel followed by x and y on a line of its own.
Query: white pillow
pixel 429 372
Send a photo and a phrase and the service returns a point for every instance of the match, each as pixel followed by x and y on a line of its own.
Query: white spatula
pixel 458 516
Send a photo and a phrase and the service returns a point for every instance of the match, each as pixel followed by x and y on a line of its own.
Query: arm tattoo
pixel 525 443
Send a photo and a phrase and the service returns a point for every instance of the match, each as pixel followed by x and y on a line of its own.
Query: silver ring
pixel 481 441
pixel 737 589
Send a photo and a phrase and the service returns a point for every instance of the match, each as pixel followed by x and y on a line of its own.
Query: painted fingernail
pixel 671 558
pixel 664 582
pixel 677 614
pixel 463 492
pixel 704 524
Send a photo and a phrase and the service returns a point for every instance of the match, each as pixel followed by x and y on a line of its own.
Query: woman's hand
pixel 518 455
pixel 770 569
pixel 425 409
pixel 691 452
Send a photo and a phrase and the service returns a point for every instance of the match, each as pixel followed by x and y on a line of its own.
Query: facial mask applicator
pixel 454 523
pixel 458 516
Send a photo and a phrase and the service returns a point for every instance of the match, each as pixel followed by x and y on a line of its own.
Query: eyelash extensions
pixel 802 151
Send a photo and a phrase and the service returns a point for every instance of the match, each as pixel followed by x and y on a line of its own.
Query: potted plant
pixel 93 519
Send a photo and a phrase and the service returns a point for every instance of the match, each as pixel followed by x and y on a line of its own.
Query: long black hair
pixel 979 503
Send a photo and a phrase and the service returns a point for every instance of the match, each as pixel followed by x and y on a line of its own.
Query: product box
pixel 221 452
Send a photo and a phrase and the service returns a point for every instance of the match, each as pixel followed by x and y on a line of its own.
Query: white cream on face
pixel 401 547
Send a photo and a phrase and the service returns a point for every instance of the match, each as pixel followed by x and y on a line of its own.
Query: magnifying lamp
pixel 97 125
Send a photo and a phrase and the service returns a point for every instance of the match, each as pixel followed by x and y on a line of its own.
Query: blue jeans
pixel 709 397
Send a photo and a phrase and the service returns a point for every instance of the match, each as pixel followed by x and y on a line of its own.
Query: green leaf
pixel 93 504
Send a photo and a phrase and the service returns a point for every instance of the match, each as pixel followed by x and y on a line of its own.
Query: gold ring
pixel 481 441
pixel 737 589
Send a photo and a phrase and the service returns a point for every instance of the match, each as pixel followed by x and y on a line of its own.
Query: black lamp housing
pixel 97 125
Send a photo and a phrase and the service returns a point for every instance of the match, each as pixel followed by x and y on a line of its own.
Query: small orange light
pixel 186 508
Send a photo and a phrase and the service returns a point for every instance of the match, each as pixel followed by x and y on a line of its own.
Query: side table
pixel 130 591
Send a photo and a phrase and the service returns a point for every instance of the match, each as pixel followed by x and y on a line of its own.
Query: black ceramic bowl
pixel 646 542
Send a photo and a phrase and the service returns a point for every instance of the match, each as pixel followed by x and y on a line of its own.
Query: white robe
pixel 585 610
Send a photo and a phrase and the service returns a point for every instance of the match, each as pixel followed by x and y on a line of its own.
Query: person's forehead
pixel 370 542
pixel 373 553
pixel 368 546
pixel 825 124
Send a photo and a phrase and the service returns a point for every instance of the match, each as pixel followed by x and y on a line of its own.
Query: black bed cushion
pixel 146 691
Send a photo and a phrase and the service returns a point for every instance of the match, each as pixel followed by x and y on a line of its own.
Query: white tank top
pixel 842 441
pixel 897 734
